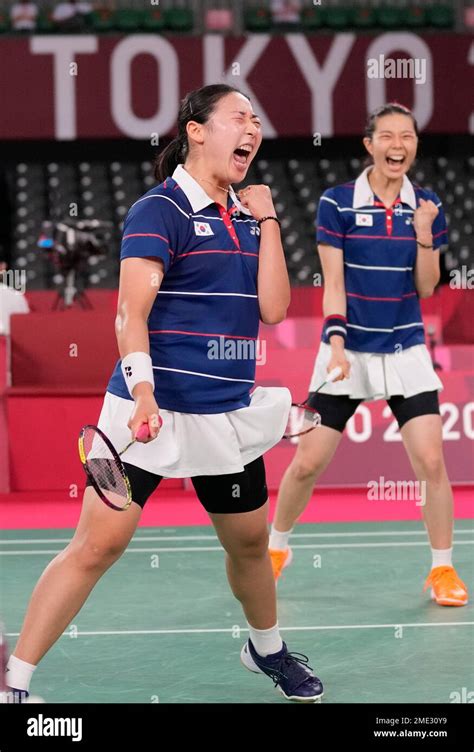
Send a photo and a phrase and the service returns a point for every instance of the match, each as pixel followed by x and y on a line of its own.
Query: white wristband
pixel 137 367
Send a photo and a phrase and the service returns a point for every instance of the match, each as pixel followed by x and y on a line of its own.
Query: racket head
pixel 104 468
pixel 302 419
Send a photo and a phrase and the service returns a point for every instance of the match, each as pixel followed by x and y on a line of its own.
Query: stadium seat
pixel 106 189
pixel 102 19
pixel 364 17
pixel 44 23
pixel 4 22
pixel 127 19
pixel 312 18
pixel 338 17
pixel 441 16
pixel 389 17
pixel 415 17
pixel 179 19
pixel 154 20
pixel 257 19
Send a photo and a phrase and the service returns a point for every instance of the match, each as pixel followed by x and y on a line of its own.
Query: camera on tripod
pixel 70 245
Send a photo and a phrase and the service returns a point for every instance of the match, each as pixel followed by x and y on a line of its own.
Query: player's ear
pixel 368 145
pixel 195 132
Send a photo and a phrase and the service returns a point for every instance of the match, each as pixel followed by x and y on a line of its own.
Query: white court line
pixel 230 630
pixel 25 541
pixel 384 544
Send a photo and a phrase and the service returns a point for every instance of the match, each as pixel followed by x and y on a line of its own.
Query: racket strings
pixel 105 472
pixel 301 420
pixel 104 467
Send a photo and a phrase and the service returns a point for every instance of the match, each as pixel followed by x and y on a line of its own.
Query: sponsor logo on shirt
pixel 202 228
pixel 364 220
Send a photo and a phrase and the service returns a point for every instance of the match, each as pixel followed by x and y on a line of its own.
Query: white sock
pixel 279 541
pixel 266 641
pixel 19 673
pixel 442 557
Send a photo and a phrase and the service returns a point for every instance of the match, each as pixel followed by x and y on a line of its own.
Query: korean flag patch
pixel 202 228
pixel 364 220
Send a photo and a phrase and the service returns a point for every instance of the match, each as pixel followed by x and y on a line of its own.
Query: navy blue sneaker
pixel 14 696
pixel 289 671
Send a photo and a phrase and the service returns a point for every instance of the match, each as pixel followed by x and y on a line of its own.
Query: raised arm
pixel 273 284
pixel 427 272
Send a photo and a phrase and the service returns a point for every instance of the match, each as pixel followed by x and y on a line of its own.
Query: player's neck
pixel 214 186
pixel 386 189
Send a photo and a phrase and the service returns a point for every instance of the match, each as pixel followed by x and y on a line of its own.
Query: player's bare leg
pixel 422 438
pixel 314 453
pixel 100 538
pixel 245 539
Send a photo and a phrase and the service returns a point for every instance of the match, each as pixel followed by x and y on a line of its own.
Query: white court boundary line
pixel 230 630
pixel 193 549
pixel 149 539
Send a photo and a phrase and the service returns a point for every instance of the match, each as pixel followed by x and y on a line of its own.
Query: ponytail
pixel 168 160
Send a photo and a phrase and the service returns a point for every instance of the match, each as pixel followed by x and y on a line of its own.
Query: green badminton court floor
pixel 163 626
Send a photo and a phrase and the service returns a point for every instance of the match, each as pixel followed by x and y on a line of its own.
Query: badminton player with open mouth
pixel 199 268
pixel 379 239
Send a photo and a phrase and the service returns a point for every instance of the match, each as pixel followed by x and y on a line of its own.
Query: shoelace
pixel 289 659
pixel 434 577
pixel 279 558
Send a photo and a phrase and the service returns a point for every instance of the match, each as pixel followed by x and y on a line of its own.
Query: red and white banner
pixel 87 86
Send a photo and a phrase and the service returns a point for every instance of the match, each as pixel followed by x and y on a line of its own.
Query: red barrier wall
pixel 4 469
pixel 62 362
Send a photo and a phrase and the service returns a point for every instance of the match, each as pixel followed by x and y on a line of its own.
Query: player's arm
pixel 334 302
pixel 140 280
pixel 427 271
pixel 273 285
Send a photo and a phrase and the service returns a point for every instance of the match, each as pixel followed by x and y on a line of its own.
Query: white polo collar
pixel 364 195
pixel 196 194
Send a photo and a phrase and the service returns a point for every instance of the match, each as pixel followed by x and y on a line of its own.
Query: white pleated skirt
pixel 192 444
pixel 379 375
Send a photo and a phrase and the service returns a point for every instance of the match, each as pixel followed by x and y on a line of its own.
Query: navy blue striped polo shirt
pixel 204 322
pixel 379 247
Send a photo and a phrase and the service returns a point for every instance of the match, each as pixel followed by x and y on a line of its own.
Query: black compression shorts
pixel 219 494
pixel 335 411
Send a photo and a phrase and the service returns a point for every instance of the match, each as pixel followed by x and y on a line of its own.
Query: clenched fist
pixel 258 199
pixel 424 217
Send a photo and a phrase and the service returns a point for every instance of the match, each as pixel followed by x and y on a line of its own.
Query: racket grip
pixel 143 432
pixel 334 373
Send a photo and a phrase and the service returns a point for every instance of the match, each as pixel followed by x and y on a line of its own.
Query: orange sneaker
pixel 446 587
pixel 280 560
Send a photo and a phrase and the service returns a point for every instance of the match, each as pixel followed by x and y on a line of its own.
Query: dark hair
pixel 197 105
pixel 391 108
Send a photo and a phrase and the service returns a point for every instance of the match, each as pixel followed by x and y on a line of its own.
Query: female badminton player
pixel 379 240
pixel 199 268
